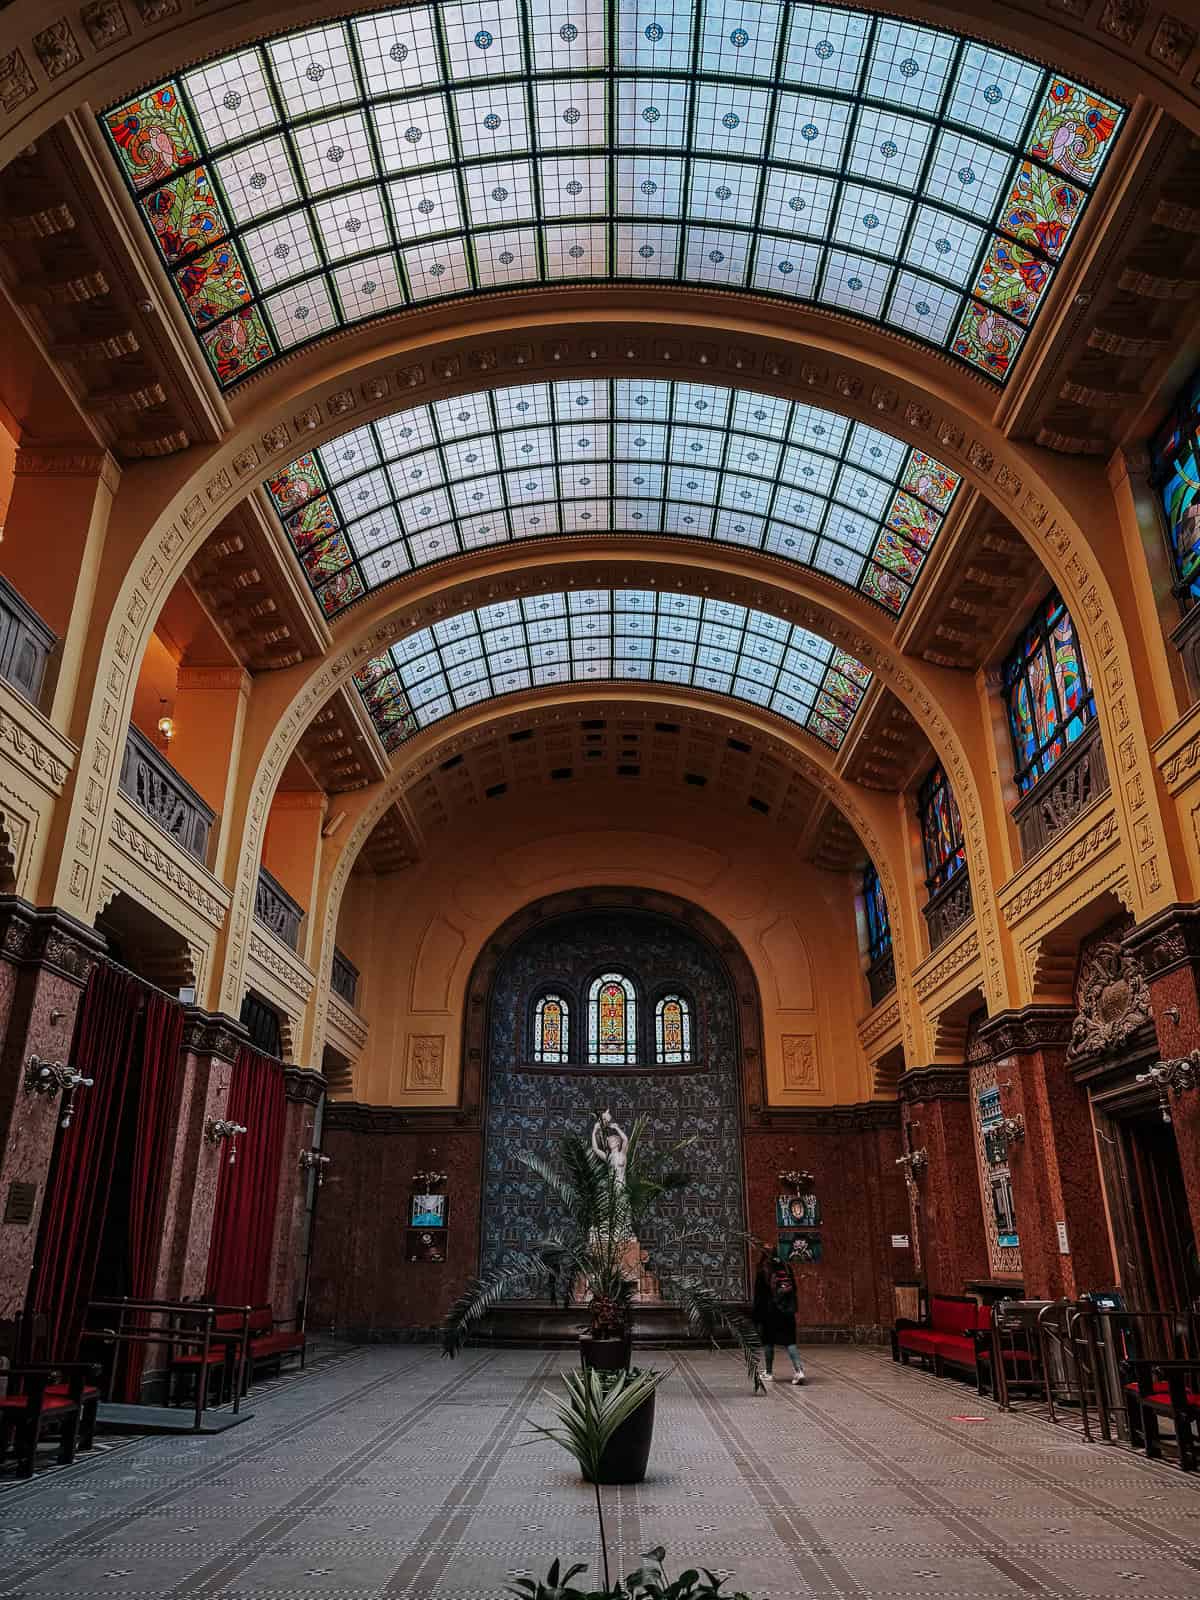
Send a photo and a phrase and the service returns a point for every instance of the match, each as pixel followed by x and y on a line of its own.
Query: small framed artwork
pixel 799 1247
pixel 797 1211
pixel 428 1211
pixel 425 1245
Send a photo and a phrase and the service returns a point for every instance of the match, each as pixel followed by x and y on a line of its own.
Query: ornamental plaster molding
pixel 165 863
pixel 1114 1002
pixel 1167 941
pixel 32 744
pixel 212 1035
pixel 1024 1032
pixel 933 1083
pixel 348 1023
pixel 947 964
pixel 1178 752
pixel 1062 861
pixel 882 1020
pixel 280 962
pixel 303 1086
pixel 48 938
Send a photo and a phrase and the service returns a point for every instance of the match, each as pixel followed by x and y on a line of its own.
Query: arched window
pixel 1047 691
pixel 879 929
pixel 612 1021
pixel 551 1029
pixel 1175 473
pixel 941 830
pixel 673 1030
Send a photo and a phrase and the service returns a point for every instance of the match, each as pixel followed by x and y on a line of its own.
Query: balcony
pixel 881 976
pixel 1054 802
pixel 277 911
pixel 343 980
pixel 154 786
pixel 26 644
pixel 948 908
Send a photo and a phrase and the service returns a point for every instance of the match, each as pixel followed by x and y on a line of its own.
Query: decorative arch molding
pixel 1047 500
pixel 782 740
pixel 109 48
pixel 653 902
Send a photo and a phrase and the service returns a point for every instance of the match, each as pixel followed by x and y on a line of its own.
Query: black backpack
pixel 783 1293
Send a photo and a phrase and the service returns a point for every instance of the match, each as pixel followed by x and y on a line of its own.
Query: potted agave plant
pixel 594 1256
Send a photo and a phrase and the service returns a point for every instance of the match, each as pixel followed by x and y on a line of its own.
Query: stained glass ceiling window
pixel 600 634
pixel 897 173
pixel 613 455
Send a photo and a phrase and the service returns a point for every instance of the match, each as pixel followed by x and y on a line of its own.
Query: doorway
pixel 1158 1249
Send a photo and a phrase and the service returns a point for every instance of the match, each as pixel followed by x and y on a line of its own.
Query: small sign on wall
pixel 1064 1245
pixel 900 1241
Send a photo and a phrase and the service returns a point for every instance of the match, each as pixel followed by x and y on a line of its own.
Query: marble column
pixel 297 1191
pixel 1055 1171
pixel 1168 948
pixel 935 1107
pixel 46 958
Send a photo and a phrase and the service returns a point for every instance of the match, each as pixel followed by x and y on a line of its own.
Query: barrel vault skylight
pixel 601 634
pixel 612 455
pixel 901 174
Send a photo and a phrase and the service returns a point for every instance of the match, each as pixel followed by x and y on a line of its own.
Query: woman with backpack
pixel 775 1313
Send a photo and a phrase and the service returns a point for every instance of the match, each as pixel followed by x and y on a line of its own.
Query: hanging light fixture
pixel 166 725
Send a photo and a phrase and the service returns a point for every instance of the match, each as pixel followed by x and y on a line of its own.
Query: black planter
pixel 627 1452
pixel 606 1355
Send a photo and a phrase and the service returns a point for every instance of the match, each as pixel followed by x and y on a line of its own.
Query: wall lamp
pixel 913 1161
pixel 1172 1077
pixel 218 1128
pixel 166 725
pixel 314 1161
pixel 52 1077
pixel 1010 1129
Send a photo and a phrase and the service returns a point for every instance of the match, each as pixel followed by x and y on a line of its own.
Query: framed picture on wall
pixel 428 1211
pixel 797 1211
pixel 799 1247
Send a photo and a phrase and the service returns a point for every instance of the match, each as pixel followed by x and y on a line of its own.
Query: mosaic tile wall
pixel 531 1111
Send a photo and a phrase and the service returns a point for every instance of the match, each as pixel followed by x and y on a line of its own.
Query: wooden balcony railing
pixel 881 976
pixel 1054 802
pixel 154 786
pixel 343 979
pixel 947 909
pixel 26 643
pixel 277 911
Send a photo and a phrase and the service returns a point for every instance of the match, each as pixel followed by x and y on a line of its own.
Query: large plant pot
pixel 627 1452
pixel 606 1355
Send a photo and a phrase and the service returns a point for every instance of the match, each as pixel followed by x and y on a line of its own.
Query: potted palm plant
pixel 594 1255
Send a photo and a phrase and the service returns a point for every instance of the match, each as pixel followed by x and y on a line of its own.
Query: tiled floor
pixel 393 1473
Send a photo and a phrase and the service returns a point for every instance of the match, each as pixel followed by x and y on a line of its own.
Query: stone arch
pixel 862 810
pixel 8 857
pixel 48 71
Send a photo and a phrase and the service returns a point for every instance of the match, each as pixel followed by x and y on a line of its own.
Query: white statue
pixel 610 1142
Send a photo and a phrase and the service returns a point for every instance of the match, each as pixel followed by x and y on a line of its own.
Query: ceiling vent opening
pixel 453 761
pixel 758 805
pixel 496 789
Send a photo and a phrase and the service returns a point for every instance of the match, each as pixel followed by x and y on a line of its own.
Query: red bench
pixel 41 1395
pixel 270 1342
pixel 1165 1389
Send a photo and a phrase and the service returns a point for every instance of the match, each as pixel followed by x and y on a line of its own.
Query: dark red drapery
pixel 239 1260
pixel 76 1207
pixel 163 1035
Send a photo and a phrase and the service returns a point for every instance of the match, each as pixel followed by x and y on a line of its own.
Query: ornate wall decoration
pixel 424 1070
pixel 801 1070
pixel 1114 1002
pixel 531 1112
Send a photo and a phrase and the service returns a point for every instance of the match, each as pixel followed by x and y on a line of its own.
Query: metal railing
pixel 881 976
pixel 948 908
pixel 343 980
pixel 276 910
pixel 1054 802
pixel 152 783
pixel 26 644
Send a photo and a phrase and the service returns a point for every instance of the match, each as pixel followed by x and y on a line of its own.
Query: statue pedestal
pixel 633 1269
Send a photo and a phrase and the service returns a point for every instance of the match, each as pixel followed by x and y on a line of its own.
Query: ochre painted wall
pixel 794 922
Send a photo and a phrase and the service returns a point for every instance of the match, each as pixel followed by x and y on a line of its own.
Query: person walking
pixel 775 1313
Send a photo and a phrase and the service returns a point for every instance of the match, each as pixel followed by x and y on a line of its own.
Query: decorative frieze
pixel 1021 1033
pixel 48 938
pixel 301 1085
pixel 934 1083
pixel 1166 941
pixel 213 1035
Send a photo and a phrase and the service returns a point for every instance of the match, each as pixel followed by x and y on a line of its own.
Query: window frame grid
pixel 1033 639
pixel 879 922
pixel 1180 434
pixel 941 867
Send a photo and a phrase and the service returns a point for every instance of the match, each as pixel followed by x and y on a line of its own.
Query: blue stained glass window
pixel 1047 691
pixel 1175 469
pixel 941 830
pixel 879 928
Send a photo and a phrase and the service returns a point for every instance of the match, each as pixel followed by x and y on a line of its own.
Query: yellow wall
pixel 794 922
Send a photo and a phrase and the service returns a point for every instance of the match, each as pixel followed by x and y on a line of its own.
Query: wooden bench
pixel 39 1396
pixel 271 1342
pixel 1164 1389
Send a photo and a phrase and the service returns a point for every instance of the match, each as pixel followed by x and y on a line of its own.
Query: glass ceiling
pixel 613 455
pixel 901 174
pixel 612 634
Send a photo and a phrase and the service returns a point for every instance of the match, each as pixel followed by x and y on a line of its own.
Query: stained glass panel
pixel 551 1029
pixel 617 455
pixel 673 1030
pixel 598 634
pixel 876 167
pixel 941 830
pixel 1047 690
pixel 1176 475
pixel 879 928
pixel 612 1021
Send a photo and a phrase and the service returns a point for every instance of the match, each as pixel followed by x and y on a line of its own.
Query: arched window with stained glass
pixel 612 1021
pixel 1047 691
pixel 673 1031
pixel 551 1030
pixel 1175 474
pixel 879 928
pixel 941 830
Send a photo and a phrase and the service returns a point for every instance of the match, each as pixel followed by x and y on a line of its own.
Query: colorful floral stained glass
pixel 941 830
pixel 672 1031
pixel 615 455
pixel 804 151
pixel 185 215
pixel 1048 692
pixel 213 284
pixel 1175 473
pixel 879 928
pixel 987 339
pixel 340 591
pixel 238 345
pixel 612 1021
pixel 599 634
pixel 551 1030
pixel 1012 279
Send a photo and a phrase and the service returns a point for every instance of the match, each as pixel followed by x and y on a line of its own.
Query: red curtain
pixel 163 1035
pixel 77 1204
pixel 239 1260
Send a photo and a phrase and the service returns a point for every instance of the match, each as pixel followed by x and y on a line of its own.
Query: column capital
pixel 44 936
pixel 299 1083
pixel 212 1033
pixel 1166 941
pixel 69 461
pixel 937 1082
pixel 1024 1032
